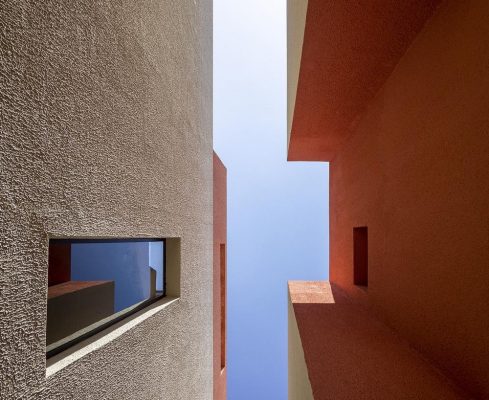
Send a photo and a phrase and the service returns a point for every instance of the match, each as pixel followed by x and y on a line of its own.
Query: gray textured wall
pixel 106 130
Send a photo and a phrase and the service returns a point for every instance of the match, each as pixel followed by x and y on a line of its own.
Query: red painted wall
pixel 350 48
pixel 415 171
pixel 59 270
pixel 219 284
pixel 351 355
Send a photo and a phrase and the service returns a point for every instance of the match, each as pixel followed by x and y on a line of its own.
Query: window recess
pixel 93 284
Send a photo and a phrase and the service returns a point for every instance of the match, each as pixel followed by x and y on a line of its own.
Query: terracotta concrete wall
pixel 351 355
pixel 106 131
pixel 416 173
pixel 219 281
pixel 346 52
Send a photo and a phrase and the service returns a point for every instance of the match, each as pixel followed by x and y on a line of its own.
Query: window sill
pixel 76 352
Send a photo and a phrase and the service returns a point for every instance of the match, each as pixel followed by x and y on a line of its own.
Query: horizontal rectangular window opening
pixel 93 284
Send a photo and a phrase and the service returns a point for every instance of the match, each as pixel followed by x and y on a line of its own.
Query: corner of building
pixel 219 274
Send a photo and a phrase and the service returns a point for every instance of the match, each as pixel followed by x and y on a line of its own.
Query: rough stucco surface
pixel 349 49
pixel 351 355
pixel 105 130
pixel 415 171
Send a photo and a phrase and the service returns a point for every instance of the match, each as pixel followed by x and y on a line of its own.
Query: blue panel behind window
pixel 156 261
pixel 126 263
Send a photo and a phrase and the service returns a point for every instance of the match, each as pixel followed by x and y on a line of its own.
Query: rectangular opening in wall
pixel 360 256
pixel 223 304
pixel 95 283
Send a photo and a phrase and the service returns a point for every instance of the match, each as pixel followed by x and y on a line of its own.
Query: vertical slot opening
pixel 223 303
pixel 360 256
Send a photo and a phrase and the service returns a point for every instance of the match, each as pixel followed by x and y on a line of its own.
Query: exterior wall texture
pixel 106 131
pixel 296 21
pixel 347 51
pixel 219 290
pixel 351 355
pixel 299 386
pixel 415 172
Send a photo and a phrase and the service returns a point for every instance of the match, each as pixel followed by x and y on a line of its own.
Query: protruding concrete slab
pixel 351 355
pixel 74 305
pixel 348 50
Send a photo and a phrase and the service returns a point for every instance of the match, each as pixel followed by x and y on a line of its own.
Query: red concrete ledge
pixel 349 50
pixel 72 287
pixel 351 355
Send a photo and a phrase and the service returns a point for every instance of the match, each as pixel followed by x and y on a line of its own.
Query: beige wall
pixel 296 23
pixel 299 386
pixel 415 171
pixel 106 131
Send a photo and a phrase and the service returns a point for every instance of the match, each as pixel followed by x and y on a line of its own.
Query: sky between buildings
pixel 277 211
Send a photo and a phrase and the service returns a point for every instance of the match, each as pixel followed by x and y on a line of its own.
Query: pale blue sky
pixel 277 211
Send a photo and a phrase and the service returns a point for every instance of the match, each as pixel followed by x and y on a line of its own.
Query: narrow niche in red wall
pixel 223 303
pixel 360 256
